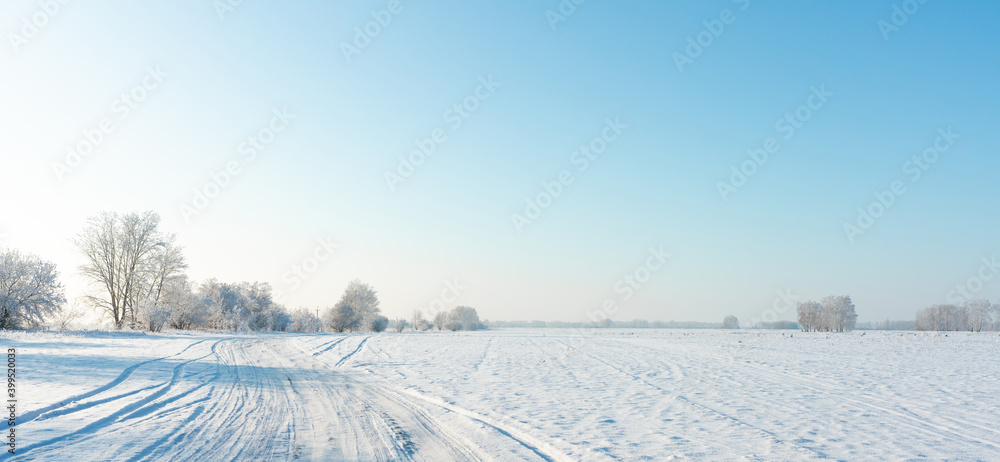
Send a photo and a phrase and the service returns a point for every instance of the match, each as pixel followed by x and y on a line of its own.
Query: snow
pixel 531 394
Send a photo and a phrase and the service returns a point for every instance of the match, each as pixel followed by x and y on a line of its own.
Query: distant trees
pixel 419 323
pixel 730 322
pixel 975 316
pixel 832 314
pixel 463 318
pixel 980 313
pixel 30 290
pixel 441 320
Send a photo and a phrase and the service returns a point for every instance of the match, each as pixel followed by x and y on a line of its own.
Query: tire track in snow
pixel 125 374
pixel 121 414
pixel 541 448
pixel 351 354
pixel 329 346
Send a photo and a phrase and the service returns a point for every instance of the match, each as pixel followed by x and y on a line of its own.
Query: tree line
pixel 137 281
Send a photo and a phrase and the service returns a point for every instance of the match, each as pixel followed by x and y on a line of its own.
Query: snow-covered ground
pixel 544 394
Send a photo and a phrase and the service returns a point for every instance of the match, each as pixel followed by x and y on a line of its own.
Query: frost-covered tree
pixel 419 323
pixel 151 315
pixel 463 318
pixel 400 324
pixel 441 320
pixel 122 253
pixel 943 317
pixel 832 314
pixel 730 322
pixel 980 314
pixel 343 317
pixel 188 310
pixel 243 307
pixel 164 269
pixel 838 313
pixel 30 290
pixel 305 320
pixel 809 315
pixel 363 302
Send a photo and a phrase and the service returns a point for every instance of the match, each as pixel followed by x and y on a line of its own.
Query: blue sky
pixel 656 185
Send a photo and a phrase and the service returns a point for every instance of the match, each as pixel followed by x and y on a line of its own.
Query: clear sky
pixel 848 93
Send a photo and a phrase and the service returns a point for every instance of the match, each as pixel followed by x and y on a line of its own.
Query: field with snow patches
pixel 544 394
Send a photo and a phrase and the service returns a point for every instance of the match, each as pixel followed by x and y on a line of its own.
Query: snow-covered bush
pixel 399 324
pixel 304 320
pixel 242 307
pixel 30 291
pixel 419 323
pixel 379 323
pixel 152 316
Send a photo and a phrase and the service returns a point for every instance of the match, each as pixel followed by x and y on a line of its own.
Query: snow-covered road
pixel 541 394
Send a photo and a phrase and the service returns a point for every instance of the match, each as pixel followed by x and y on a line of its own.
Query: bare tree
pixel 441 320
pixel 120 250
pixel 30 291
pixel 165 268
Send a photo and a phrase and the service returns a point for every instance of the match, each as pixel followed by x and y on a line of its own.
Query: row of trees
pixel 138 281
pixel 834 313
pixel 975 316
pixel 459 318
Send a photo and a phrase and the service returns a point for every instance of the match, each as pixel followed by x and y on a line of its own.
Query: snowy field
pixel 544 394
